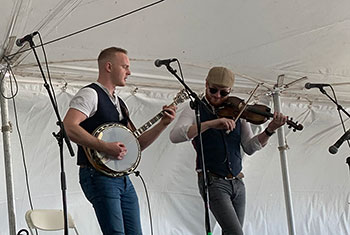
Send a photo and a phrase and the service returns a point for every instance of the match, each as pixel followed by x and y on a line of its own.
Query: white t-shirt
pixel 86 101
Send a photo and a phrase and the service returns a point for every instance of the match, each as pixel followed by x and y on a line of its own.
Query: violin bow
pixel 246 104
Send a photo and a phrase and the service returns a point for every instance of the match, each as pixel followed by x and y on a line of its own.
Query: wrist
pixel 268 132
pixel 164 124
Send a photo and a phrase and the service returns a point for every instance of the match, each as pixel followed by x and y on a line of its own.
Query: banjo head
pixel 114 132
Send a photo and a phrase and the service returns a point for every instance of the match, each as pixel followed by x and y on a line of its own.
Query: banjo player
pixel 114 198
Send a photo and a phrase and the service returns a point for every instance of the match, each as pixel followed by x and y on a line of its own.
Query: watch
pixel 268 133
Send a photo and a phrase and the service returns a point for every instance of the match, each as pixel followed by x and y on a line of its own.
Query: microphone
pixel 318 85
pixel 21 41
pixel 159 62
pixel 334 148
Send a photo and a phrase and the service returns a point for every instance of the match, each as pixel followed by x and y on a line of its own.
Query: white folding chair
pixel 48 220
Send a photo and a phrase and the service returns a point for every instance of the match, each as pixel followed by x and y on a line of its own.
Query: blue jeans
pixel 114 200
pixel 226 202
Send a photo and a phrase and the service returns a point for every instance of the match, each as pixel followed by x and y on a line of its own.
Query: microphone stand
pixel 195 105
pixel 339 107
pixel 59 136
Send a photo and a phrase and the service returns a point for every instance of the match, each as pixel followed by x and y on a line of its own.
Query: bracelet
pixel 268 133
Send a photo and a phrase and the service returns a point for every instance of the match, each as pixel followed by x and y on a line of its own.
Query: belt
pixel 227 177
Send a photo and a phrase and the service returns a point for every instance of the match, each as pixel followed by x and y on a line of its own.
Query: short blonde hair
pixel 109 53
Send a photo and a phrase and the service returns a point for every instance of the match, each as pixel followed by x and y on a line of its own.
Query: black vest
pixel 222 153
pixel 106 113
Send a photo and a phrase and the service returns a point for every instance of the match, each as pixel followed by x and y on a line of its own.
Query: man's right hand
pixel 223 123
pixel 116 150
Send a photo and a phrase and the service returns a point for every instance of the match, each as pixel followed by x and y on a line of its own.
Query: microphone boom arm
pixel 334 148
pixel 339 107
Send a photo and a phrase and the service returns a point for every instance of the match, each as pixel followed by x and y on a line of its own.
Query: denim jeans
pixel 114 200
pixel 226 202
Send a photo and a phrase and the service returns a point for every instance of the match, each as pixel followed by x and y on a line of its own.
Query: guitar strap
pixel 125 112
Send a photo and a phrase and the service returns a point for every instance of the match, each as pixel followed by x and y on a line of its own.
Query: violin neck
pixel 267 114
pixel 260 112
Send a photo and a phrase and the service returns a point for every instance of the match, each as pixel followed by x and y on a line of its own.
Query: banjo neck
pixel 148 124
pixel 179 98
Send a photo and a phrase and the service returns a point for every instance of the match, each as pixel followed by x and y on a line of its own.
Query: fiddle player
pixel 222 139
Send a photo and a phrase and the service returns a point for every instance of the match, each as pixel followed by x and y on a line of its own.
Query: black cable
pixel 47 70
pixel 23 230
pixel 179 65
pixel 137 173
pixel 23 155
pixel 22 151
pixel 8 68
pixel 90 27
pixel 183 79
pixel 340 115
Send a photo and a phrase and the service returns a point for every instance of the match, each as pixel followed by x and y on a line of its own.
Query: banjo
pixel 112 132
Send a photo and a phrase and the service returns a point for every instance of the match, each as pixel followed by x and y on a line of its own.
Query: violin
pixel 257 114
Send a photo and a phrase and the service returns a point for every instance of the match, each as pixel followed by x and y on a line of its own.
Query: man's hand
pixel 278 120
pixel 116 150
pixel 223 123
pixel 169 114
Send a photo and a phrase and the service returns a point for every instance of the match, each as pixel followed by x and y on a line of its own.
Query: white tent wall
pixel 308 41
pixel 319 181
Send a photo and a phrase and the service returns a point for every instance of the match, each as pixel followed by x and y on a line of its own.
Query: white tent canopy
pixel 306 41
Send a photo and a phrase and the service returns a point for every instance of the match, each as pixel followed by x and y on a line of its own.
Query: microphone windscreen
pixel 157 63
pixel 333 150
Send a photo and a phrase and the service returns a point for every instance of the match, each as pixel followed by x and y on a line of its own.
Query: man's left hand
pixel 169 114
pixel 278 120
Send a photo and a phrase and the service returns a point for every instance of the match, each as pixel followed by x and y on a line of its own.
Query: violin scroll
pixel 295 125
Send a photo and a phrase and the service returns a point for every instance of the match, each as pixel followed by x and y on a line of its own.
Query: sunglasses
pixel 214 90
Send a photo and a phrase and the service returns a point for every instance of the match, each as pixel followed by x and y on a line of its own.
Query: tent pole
pixel 6 130
pixel 284 166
